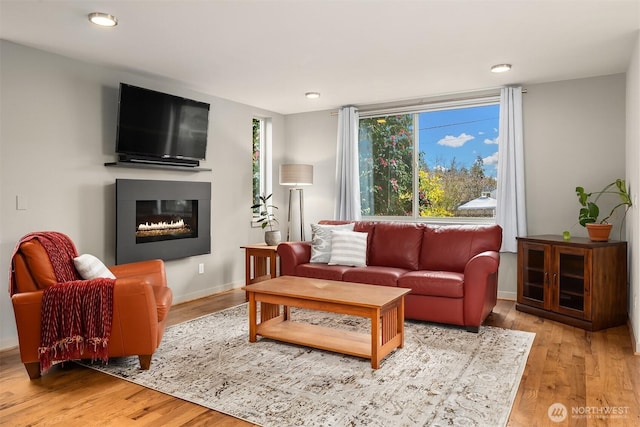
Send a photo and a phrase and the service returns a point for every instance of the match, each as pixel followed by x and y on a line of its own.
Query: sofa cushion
pixel 396 245
pixel 374 275
pixel 321 241
pixel 434 283
pixel 348 248
pixel 321 271
pixel 449 248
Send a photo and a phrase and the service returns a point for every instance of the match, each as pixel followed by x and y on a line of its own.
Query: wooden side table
pixel 264 262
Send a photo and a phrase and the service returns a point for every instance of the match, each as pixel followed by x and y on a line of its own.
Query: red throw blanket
pixel 76 314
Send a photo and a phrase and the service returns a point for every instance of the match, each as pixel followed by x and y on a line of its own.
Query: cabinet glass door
pixel 571 281
pixel 534 274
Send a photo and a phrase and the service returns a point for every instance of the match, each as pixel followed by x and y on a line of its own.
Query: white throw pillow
pixel 91 267
pixel 348 248
pixel 321 240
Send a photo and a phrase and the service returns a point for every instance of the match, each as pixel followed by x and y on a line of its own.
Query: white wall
pixel 633 179
pixel 574 135
pixel 311 139
pixel 57 128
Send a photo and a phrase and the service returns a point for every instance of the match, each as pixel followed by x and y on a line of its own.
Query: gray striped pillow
pixel 348 248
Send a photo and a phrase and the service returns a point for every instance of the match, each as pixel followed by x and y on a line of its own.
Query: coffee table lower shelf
pixel 320 337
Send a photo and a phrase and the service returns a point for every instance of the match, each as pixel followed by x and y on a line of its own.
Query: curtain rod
pixel 436 99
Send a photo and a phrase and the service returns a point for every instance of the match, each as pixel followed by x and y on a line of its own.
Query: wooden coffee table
pixel 382 304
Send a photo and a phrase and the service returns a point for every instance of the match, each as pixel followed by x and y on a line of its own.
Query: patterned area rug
pixel 443 376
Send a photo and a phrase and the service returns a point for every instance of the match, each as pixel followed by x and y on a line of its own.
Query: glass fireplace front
pixel 158 220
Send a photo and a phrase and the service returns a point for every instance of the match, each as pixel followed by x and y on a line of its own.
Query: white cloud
pixel 480 133
pixel 491 141
pixel 455 141
pixel 491 160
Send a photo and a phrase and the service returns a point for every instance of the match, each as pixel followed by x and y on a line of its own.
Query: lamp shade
pixel 296 174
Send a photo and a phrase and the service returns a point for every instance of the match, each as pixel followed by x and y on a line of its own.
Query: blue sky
pixel 463 133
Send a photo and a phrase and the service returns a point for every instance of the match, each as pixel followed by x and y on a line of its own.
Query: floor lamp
pixel 296 176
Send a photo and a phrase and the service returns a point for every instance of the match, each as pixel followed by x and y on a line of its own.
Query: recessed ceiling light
pixel 312 95
pixel 103 19
pixel 500 68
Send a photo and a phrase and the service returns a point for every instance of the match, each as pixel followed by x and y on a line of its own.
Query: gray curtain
pixel 347 205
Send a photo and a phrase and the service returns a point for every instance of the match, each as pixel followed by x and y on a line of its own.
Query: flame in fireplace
pixel 163 228
pixel 162 225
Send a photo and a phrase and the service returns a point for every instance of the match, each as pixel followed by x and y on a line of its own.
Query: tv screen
pixel 158 125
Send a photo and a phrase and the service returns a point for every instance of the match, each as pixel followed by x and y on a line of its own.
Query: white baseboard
pixel 635 345
pixel 511 296
pixel 206 292
pixel 8 344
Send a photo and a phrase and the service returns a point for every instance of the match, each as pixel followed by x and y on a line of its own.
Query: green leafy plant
pixel 590 211
pixel 265 212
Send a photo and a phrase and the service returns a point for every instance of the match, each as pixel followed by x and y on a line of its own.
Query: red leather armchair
pixel 141 303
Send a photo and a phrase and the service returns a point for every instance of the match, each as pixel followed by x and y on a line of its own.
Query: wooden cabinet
pixel 577 282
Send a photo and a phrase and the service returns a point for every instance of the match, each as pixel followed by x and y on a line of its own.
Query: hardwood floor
pixel 585 371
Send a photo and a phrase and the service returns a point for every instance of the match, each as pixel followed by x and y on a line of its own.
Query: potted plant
pixel 588 216
pixel 267 219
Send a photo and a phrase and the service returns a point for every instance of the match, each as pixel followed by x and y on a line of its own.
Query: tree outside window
pixel 257 160
pixel 386 156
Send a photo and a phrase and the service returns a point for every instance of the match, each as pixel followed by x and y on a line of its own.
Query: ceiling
pixel 268 53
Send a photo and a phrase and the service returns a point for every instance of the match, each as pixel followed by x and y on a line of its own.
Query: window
pixel 260 161
pixel 446 155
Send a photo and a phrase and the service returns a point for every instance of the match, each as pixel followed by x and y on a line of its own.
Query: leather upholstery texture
pixel 452 270
pixel 142 301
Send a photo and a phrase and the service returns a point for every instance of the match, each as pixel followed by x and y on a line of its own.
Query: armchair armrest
pixel 139 290
pixel 293 254
pixel 27 307
pixel 151 272
pixel 480 286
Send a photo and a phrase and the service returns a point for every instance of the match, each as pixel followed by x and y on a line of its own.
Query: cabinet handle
pixel 546 277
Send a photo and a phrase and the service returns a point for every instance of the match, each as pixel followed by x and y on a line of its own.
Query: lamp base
pixel 301 211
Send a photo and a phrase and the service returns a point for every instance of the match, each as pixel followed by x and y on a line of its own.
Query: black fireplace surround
pixel 162 219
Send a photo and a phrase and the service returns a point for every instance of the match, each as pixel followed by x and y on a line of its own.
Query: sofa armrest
pixel 480 287
pixel 293 254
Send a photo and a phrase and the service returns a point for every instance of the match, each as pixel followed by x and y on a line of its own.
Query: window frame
pixel 265 159
pixel 415 110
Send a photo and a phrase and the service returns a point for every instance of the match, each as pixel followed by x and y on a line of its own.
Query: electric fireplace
pixel 162 219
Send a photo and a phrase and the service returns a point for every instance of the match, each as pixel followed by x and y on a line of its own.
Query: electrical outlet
pixel 201 268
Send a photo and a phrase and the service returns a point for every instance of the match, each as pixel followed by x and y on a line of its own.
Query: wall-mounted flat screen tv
pixel 158 126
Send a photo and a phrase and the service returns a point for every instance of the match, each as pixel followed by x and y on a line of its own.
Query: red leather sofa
pixel 452 270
